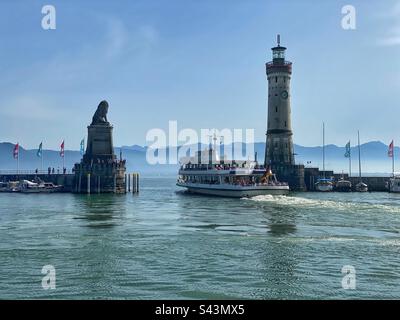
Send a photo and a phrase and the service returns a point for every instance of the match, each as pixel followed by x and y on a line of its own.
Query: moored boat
pixel 361 187
pixel 324 185
pixel 27 186
pixel 11 186
pixel 343 185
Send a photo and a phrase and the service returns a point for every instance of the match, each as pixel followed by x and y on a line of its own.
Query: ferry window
pixel 276 79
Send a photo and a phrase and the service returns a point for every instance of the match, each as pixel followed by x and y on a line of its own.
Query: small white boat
pixel 343 185
pixel 27 186
pixel 324 185
pixel 361 187
pixel 11 186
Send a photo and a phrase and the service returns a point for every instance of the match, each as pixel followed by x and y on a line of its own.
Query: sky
pixel 200 63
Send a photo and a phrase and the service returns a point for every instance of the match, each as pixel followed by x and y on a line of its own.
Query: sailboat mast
pixel 393 160
pixel 359 155
pixel 323 148
pixel 350 164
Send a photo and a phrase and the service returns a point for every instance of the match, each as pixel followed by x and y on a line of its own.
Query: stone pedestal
pixel 99 171
pixel 100 143
pixel 108 177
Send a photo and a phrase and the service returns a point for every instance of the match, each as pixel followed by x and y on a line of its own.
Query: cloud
pixel 390 41
pixel 392 37
pixel 120 40
pixel 116 38
pixel 50 81
pixel 31 107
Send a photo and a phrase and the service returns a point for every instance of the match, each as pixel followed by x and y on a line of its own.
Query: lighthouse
pixel 279 152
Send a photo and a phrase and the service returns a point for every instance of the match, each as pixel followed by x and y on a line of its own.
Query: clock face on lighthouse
pixel 284 94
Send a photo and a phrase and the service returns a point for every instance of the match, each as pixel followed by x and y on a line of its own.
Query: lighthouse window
pixel 276 110
pixel 285 124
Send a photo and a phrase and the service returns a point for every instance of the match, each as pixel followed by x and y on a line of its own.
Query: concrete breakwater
pixel 375 184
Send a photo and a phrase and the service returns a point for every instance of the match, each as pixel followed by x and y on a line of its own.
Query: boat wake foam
pixel 293 201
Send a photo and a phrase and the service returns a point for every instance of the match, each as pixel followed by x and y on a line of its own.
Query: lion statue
pixel 100 116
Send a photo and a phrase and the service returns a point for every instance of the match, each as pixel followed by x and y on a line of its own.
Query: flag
pixel 390 151
pixel 16 151
pixel 40 150
pixel 62 150
pixel 348 152
pixel 82 147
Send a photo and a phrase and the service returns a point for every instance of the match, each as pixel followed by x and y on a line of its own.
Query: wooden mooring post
pixel 88 183
pixel 135 183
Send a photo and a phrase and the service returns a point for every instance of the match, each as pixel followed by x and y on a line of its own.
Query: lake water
pixel 164 244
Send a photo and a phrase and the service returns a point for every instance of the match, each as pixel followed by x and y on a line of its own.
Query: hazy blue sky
pixel 198 62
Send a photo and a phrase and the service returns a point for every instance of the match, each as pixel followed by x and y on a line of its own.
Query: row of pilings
pixel 94 184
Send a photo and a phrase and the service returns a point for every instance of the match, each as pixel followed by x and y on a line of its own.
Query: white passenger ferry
pixel 234 179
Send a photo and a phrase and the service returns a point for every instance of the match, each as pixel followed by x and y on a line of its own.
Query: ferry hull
pixel 237 193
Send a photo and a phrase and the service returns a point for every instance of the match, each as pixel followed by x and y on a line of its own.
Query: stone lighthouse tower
pixel 279 134
pixel 279 151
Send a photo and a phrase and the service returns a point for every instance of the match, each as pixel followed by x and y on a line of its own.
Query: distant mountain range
pixel 373 155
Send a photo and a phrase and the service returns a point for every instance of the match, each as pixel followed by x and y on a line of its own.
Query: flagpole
pixel 41 156
pixel 359 155
pixel 63 157
pixel 350 163
pixel 18 161
pixel 393 160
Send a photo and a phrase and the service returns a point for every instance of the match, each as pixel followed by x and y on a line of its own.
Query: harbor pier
pixel 375 183
pixel 65 180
